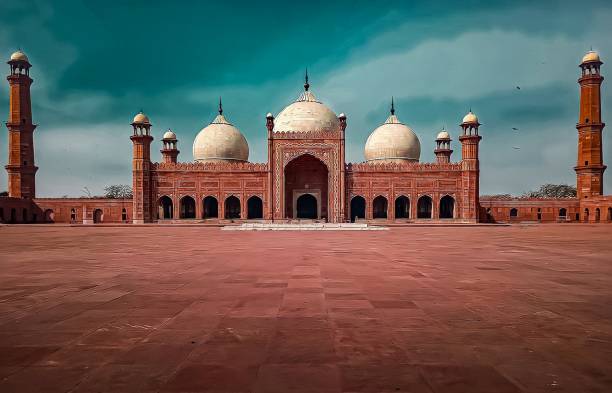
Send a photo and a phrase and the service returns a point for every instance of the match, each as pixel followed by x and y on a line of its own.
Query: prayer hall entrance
pixel 306 190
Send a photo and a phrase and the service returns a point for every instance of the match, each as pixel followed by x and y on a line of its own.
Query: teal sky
pixel 95 64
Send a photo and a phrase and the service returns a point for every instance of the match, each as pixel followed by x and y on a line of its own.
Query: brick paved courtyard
pixel 188 309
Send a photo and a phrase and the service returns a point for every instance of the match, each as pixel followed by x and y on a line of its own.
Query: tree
pixel 552 191
pixel 497 196
pixel 4 194
pixel 118 191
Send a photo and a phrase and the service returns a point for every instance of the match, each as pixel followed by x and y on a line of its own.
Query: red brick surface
pixel 179 309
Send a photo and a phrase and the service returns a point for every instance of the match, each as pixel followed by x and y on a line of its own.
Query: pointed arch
pixel 424 207
pixel 402 207
pixel 254 208
pixel 165 208
pixel 447 207
pixel 187 207
pixel 358 207
pixel 232 207
pixel 379 207
pixel 210 207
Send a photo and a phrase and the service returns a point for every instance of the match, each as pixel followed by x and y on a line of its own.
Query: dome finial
pixel 306 84
pixel 220 106
pixel 392 106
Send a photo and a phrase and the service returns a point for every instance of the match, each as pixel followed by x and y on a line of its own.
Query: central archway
pixel 306 175
pixel 307 207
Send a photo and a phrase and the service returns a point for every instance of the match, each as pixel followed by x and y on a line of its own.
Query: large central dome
pixel 306 114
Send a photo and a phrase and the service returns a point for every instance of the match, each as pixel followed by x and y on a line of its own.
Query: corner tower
pixel 589 166
pixel 470 167
pixel 21 169
pixel 141 169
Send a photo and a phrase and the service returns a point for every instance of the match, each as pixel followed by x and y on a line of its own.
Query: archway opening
pixel 562 213
pixel 447 207
pixel 402 207
pixel 211 207
pixel 98 216
pixel 232 207
pixel 254 207
pixel 165 208
pixel 610 214
pixel 358 208
pixel 586 215
pixel 379 207
pixel 597 215
pixel 306 174
pixel 307 207
pixel 73 215
pixel 24 214
pixel 424 207
pixel 49 215
pixel 187 207
pixel 124 216
pixel 513 213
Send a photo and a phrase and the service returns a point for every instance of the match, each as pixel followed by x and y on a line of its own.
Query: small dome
pixel 470 118
pixel 306 114
pixel 169 135
pixel 443 135
pixel 392 141
pixel 591 57
pixel 19 56
pixel 220 141
pixel 141 118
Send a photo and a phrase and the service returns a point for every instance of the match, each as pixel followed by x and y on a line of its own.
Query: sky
pixel 96 64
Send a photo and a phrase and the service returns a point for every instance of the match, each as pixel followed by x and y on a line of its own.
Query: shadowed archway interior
pixel 358 208
pixel 307 206
pixel 211 207
pixel 165 208
pixel 306 174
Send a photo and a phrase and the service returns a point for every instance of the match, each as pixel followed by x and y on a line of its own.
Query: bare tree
pixel 4 194
pixel 552 191
pixel 118 191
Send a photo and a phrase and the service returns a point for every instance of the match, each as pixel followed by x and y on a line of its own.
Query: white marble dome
pixel 306 114
pixel 470 118
pixel 590 57
pixel 19 56
pixel 443 135
pixel 169 135
pixel 141 118
pixel 392 141
pixel 220 141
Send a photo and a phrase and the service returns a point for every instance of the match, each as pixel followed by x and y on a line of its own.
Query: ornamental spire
pixel 392 106
pixel 306 84
pixel 220 106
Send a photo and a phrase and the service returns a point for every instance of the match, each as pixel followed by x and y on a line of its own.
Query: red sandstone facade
pixel 305 177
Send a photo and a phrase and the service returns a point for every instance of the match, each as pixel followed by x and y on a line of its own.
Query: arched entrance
pixel 562 213
pixel 358 207
pixel 424 207
pixel 586 215
pixel 379 207
pixel 254 208
pixel 610 214
pixel 49 215
pixel 402 207
pixel 513 213
pixel 187 207
pixel 124 216
pixel 447 207
pixel 597 214
pixel 307 207
pixel 98 216
pixel 306 174
pixel 211 207
pixel 232 207
pixel 165 208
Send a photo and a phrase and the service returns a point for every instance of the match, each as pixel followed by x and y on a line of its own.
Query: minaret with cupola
pixel 169 149
pixel 443 147
pixel 470 167
pixel 21 169
pixel 141 169
pixel 589 166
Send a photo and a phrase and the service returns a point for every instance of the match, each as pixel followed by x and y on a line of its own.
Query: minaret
pixel 141 169
pixel 443 149
pixel 589 166
pixel 470 167
pixel 169 149
pixel 21 169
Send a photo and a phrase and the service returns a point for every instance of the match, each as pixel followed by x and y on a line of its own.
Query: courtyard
pixel 412 309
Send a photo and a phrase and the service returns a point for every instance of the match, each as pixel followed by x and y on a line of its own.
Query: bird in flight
pixel 518 88
pixel 516 148
pixel 515 129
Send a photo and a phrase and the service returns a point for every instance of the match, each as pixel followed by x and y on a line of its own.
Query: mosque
pixel 306 176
